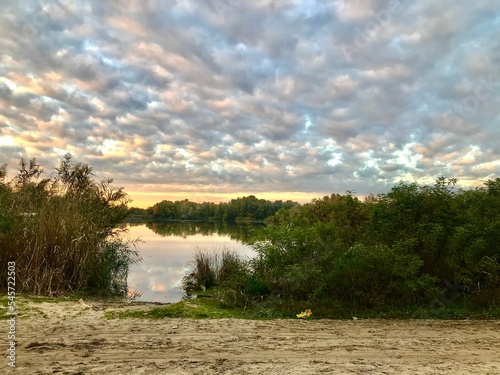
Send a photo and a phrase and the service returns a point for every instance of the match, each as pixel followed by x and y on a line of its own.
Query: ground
pixel 76 338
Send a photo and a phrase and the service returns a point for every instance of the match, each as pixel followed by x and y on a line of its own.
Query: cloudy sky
pixel 210 100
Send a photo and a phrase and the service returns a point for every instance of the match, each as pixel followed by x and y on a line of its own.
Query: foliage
pixel 245 209
pixel 395 251
pixel 61 231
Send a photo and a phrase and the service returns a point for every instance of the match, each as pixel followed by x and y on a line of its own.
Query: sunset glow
pixel 280 99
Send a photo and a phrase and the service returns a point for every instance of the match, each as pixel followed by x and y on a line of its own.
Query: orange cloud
pixel 159 288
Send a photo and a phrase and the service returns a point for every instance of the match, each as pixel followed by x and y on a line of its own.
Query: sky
pixel 211 100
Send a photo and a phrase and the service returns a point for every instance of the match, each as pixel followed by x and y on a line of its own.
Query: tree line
pixel 247 208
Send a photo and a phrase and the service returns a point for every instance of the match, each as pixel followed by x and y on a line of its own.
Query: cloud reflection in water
pixel 166 261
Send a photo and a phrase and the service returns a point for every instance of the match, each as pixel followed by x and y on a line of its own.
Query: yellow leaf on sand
pixel 305 314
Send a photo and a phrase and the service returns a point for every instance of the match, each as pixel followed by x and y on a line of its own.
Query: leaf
pixel 305 314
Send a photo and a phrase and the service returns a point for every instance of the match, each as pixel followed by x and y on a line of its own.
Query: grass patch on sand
pixel 208 307
pixel 21 308
pixel 199 308
pixel 25 304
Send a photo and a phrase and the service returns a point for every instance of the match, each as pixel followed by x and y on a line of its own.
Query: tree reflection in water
pixel 243 232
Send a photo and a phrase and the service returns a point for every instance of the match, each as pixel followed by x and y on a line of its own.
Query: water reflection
pixel 242 232
pixel 167 249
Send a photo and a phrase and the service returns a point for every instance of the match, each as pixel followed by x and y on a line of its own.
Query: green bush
pixel 397 250
pixel 377 276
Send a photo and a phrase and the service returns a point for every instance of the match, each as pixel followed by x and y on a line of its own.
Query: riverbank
pixel 76 337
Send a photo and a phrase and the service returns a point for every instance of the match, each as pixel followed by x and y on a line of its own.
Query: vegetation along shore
pixel 416 251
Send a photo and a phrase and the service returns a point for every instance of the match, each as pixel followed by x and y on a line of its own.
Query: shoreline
pixel 75 337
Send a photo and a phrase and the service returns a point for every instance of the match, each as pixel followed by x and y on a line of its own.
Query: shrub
pixel 395 250
pixel 374 276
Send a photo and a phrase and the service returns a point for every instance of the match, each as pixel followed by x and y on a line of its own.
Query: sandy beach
pixel 76 338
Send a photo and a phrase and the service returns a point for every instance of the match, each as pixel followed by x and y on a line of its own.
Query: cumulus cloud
pixel 224 97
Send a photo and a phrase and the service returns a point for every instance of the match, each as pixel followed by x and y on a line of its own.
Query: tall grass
pixel 213 268
pixel 231 278
pixel 61 232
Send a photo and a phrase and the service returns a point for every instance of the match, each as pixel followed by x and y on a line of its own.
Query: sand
pixel 76 338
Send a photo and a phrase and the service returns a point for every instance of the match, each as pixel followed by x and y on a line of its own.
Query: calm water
pixel 167 251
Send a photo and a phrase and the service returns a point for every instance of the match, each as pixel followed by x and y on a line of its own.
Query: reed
pixel 61 232
pixel 212 268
